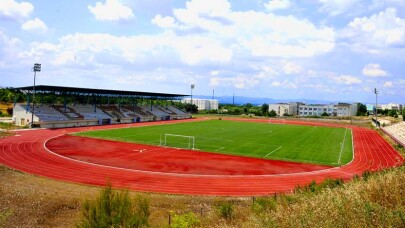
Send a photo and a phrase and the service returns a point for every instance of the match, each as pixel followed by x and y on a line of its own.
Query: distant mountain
pixel 259 101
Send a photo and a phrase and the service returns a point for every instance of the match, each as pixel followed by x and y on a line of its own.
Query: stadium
pixel 202 113
pixel 152 146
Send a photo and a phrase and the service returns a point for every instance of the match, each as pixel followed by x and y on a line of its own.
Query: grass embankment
pixel 4 107
pixel 308 144
pixel 372 200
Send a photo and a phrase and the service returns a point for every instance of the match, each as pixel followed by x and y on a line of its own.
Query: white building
pixel 22 115
pixel 202 104
pixel 283 109
pixel 390 106
pixel 339 109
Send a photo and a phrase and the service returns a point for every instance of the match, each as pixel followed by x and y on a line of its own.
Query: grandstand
pixel 95 113
pixel 397 132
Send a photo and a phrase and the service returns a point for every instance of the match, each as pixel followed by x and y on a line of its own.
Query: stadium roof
pixel 97 92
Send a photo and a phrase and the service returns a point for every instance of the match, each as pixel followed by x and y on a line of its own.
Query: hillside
pixel 4 106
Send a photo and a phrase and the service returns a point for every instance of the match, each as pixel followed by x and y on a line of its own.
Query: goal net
pixel 276 121
pixel 178 141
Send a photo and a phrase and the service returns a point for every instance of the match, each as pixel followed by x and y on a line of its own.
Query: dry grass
pixel 4 106
pixel 30 201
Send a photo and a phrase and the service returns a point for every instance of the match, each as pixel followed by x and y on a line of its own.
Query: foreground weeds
pixel 114 208
pixel 370 200
pixel 378 201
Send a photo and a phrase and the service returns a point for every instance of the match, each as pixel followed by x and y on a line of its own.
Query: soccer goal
pixel 178 141
pixel 276 121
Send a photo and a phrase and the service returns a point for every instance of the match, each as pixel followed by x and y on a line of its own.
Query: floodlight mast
pixel 376 110
pixel 36 68
pixel 192 87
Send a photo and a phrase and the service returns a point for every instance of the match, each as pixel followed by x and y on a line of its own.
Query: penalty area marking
pixel 273 151
pixel 220 148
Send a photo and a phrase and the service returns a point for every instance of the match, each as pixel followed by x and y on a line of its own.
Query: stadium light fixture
pixel 376 110
pixel 192 87
pixel 36 68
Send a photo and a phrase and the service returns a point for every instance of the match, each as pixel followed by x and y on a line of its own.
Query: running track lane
pixel 26 152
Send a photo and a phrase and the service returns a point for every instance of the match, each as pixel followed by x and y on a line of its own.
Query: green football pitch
pixel 308 144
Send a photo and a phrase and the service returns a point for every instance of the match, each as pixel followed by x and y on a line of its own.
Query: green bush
pixel 225 210
pixel 313 187
pixel 4 215
pixel 115 209
pixel 185 220
pixel 366 175
pixel 264 205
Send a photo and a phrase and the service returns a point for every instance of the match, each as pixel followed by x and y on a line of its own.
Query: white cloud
pixel 277 4
pixel 336 7
pixel 261 34
pixel 239 82
pixel 142 49
pixel 388 84
pixel 285 36
pixel 285 84
pixel 15 10
pixel 276 84
pixel 347 80
pixel 198 49
pixel 163 22
pixel 35 24
pixel 378 32
pixel 292 68
pixel 111 10
pixel 374 70
pixel 9 48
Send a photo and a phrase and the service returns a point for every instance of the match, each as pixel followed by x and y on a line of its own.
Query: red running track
pixel 26 151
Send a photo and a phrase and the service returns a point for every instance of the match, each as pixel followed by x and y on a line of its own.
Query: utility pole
pixel 376 110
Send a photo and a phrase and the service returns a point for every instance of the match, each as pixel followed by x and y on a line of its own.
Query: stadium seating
pixel 398 131
pixel 134 111
pixel 105 113
pixel 88 112
pixel 156 111
pixel 113 110
pixel 48 113
pixel 176 110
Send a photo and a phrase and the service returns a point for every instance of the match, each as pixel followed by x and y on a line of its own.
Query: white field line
pixel 342 144
pixel 273 151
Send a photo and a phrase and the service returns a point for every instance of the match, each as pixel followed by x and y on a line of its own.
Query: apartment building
pixel 202 104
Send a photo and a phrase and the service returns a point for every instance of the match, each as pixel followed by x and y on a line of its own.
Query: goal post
pixel 181 141
pixel 276 121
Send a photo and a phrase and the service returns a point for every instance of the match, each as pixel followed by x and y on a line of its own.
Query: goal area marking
pixel 191 140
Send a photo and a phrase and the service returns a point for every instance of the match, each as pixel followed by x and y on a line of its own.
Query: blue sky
pixel 336 50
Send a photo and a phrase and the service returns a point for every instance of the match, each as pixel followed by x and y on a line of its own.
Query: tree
pixel 265 109
pixel 325 114
pixel 361 109
pixel 192 108
pixel 393 113
pixel 272 113
pixel 403 114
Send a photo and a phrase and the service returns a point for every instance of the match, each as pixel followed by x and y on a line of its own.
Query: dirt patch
pixel 30 201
